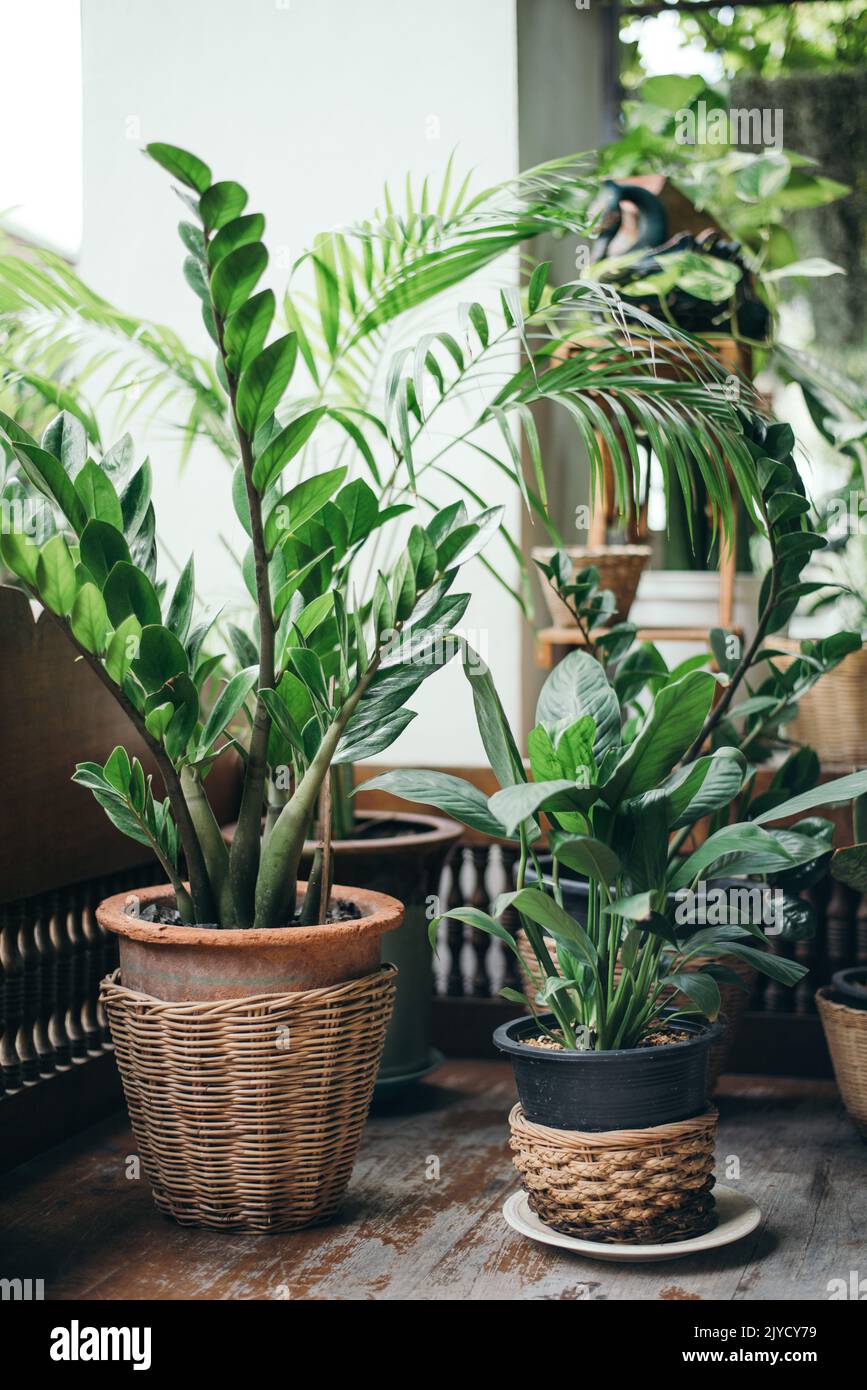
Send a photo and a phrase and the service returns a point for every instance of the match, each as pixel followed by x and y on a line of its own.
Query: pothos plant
pixel 330 679
pixel 624 768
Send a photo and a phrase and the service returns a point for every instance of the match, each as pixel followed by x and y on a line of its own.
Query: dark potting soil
pixel 339 910
pixel 658 1038
pixel 386 829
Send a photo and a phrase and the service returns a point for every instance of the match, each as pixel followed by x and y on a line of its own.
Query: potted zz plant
pixel 250 1010
pixel 612 1055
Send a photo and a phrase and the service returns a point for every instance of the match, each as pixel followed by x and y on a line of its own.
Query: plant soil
pixel 660 1037
pixel 339 910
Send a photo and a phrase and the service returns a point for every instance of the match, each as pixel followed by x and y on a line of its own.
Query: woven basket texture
pixel 640 1186
pixel 832 717
pixel 620 567
pixel 733 1001
pixel 846 1032
pixel 248 1113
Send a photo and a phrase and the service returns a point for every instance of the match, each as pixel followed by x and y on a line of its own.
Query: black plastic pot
pixel 851 985
pixel 630 1088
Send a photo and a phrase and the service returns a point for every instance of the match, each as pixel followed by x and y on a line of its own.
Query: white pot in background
pixel 690 598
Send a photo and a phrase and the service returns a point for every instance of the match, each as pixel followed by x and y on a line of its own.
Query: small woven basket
pixel 619 566
pixel 846 1033
pixel 832 717
pixel 634 1186
pixel 248 1113
pixel 733 1001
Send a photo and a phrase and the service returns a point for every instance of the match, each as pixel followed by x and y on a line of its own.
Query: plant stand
pixel 248 1113
pixel 641 1186
pixel 553 643
pixel 846 1033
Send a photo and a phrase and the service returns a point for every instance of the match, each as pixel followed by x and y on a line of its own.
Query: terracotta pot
pixel 182 964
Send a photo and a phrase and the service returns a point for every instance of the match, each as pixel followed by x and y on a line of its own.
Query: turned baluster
pixel 778 998
pixel 77 976
pixel 455 930
pixel 90 1024
pixel 840 920
pixel 103 888
pixel 480 898
pixel 47 985
pixel 510 920
pixel 62 970
pixel 11 970
pixel 30 990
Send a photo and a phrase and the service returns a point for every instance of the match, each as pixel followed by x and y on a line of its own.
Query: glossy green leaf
pixel 262 384
pixel 221 203
pixel 245 332
pixel 160 657
pixel 99 498
pixel 181 607
pixel 89 619
pixel 102 547
pixel 300 503
pixel 123 648
pixel 55 576
pixel 238 232
pixel 674 721
pixel 129 591
pixel 234 279
pixel 66 438
pixel 181 165
pixel 284 446
pixel 226 707
pixel 577 688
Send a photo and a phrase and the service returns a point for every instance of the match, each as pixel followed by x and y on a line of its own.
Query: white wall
pixel 311 104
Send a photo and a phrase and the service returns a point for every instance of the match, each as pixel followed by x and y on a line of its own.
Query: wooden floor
pixel 423 1216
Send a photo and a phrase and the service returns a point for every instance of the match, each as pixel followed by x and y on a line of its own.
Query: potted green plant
pixel 843 1006
pixel 232 927
pixel 604 1046
pixel 357 399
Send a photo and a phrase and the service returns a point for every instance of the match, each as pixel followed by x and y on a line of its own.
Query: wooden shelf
pixel 548 639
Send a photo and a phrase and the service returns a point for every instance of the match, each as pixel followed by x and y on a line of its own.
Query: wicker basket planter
pixel 846 1034
pixel 248 1113
pixel 619 567
pixel 733 1001
pixel 248 1058
pixel 832 717
pixel 644 1186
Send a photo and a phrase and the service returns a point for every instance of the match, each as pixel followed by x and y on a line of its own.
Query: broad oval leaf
pixel 55 576
pixel 182 165
pixel 221 203
pixel 578 687
pixel 89 619
pixel 234 278
pixel 262 383
pixel 102 547
pixel 98 496
pixel 285 446
pixel 245 332
pixel 160 657
pixel 129 591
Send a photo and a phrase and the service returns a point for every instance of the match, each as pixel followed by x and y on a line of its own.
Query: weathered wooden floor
pixel 422 1219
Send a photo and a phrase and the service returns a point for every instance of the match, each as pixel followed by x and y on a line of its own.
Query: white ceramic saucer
pixel 737 1215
